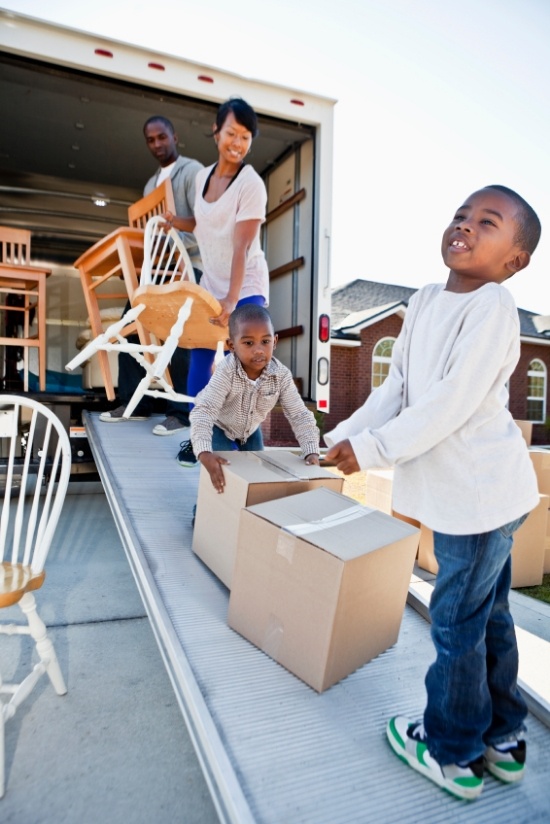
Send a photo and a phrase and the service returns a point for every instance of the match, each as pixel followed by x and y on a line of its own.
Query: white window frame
pixel 539 372
pixel 379 360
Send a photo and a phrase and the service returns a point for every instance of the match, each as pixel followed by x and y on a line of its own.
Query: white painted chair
pixel 171 306
pixel 35 466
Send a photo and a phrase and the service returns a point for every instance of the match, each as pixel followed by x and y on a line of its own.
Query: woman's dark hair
pixel 243 113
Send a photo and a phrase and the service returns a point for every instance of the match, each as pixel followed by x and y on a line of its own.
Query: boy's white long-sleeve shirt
pixel 440 418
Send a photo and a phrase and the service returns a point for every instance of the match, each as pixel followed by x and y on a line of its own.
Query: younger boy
pixel 462 469
pixel 244 388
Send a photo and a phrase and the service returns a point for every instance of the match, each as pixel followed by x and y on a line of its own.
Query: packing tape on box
pixel 338 518
pixel 286 473
pixel 273 637
pixel 285 545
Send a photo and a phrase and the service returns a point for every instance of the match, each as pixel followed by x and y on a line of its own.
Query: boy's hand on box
pixel 312 460
pixel 342 456
pixel 213 464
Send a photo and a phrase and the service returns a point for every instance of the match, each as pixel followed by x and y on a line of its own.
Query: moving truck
pixel 73 158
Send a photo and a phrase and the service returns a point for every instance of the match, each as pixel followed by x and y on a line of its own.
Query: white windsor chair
pixel 171 306
pixel 34 475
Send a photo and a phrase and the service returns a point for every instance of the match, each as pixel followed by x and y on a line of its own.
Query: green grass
pixel 541 592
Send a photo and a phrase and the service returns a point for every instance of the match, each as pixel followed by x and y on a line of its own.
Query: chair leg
pixel 156 370
pixel 97 343
pixel 140 390
pixel 44 646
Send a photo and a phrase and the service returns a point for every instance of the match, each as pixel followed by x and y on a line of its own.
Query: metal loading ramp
pixel 273 751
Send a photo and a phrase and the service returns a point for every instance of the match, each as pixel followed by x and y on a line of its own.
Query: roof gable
pixel 362 302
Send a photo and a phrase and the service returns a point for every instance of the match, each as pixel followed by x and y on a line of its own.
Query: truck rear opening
pixel 73 158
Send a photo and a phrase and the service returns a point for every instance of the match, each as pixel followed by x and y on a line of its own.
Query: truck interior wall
pixel 289 237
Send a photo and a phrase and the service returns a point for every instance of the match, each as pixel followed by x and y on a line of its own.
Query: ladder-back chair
pixel 120 255
pixel 22 294
pixel 34 474
pixel 15 246
pixel 171 306
pixel 157 202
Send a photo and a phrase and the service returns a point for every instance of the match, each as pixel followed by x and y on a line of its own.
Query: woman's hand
pixel 312 460
pixel 181 224
pixel 228 306
pixel 168 219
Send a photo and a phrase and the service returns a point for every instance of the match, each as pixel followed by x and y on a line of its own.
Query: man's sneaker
pixel 408 740
pixel 169 426
pixel 186 456
pixel 117 416
pixel 506 761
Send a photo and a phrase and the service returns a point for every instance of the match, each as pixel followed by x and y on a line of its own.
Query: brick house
pixel 366 318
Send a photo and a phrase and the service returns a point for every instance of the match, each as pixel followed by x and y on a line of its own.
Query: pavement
pixel 115 748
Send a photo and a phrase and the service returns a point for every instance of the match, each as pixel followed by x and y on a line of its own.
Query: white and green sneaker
pixel 506 761
pixel 408 740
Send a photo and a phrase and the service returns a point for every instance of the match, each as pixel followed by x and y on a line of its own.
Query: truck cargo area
pixel 272 749
pixel 73 158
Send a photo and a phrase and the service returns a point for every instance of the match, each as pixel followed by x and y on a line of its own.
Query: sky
pixel 435 100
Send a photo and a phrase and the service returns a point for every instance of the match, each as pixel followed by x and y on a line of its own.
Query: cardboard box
pixel 320 583
pixel 546 568
pixel 528 551
pixel 541 462
pixel 251 478
pixel 379 494
pixel 526 430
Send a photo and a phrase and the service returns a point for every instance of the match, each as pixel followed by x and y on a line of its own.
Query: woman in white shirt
pixel 230 206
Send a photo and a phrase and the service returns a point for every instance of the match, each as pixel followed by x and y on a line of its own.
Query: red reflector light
pixel 324 328
pixel 297 102
pixel 205 78
pixel 103 52
pixel 158 66
pixel 322 404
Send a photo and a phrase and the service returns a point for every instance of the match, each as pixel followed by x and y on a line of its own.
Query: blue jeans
pixel 473 698
pixel 221 443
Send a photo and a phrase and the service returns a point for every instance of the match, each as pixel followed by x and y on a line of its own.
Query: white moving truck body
pixel 74 106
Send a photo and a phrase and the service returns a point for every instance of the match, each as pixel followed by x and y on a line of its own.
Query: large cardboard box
pixel 379 494
pixel 320 583
pixel 526 430
pixel 541 463
pixel 251 478
pixel 528 551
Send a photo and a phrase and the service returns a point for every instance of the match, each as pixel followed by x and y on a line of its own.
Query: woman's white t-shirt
pixel 244 199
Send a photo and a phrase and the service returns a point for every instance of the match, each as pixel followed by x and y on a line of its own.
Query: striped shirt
pixel 238 405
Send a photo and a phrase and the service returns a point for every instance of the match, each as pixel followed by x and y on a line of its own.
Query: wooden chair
pixel 26 286
pixel 120 255
pixel 157 202
pixel 34 471
pixel 169 305
pixel 15 246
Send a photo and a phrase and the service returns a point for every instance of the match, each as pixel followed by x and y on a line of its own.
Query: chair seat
pixel 162 304
pixel 16 580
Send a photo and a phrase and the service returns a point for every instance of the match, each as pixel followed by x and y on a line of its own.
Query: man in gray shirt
pixel 162 142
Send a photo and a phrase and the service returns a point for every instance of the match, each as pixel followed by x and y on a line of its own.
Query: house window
pixel 381 359
pixel 536 392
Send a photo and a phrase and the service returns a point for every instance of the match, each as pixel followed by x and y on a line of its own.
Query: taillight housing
pixel 324 328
